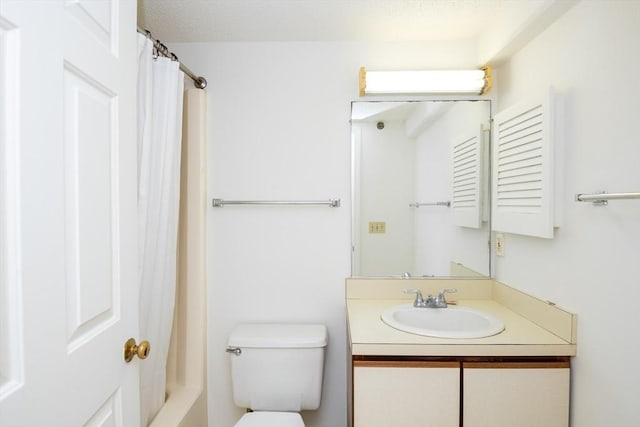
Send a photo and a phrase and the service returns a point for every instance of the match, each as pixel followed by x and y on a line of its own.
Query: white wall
pixel 592 56
pixel 279 129
pixel 433 224
pixel 438 240
pixel 386 188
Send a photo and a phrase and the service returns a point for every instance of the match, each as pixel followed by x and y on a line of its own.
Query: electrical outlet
pixel 499 244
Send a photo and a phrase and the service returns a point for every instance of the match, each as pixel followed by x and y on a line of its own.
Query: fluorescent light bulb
pixel 415 82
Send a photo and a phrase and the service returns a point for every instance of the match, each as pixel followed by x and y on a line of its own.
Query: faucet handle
pixel 441 298
pixel 419 301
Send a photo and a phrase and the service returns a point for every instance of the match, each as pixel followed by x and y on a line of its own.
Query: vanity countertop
pixel 370 336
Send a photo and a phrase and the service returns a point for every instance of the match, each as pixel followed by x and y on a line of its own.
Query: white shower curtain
pixel 160 97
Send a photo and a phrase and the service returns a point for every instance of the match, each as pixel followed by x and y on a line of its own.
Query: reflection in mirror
pixel 420 182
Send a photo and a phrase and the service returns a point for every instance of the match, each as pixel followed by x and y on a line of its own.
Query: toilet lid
pixel 270 419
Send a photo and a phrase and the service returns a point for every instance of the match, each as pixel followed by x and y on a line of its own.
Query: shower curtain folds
pixel 160 96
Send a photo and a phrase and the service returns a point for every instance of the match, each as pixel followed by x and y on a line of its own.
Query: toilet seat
pixel 270 419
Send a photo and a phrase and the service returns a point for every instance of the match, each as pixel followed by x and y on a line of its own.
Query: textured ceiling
pixel 323 20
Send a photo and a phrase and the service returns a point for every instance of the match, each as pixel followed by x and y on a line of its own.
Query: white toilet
pixel 276 371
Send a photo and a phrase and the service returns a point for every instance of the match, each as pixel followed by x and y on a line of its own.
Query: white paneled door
pixel 68 260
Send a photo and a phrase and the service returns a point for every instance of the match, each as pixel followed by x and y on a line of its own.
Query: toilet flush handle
pixel 235 350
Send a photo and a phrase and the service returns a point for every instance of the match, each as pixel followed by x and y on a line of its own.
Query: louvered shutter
pixel 466 198
pixel 523 165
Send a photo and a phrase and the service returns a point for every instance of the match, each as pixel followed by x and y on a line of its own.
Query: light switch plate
pixel 377 227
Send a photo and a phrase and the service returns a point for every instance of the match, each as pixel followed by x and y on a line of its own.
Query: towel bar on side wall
pixel 602 198
pixel 417 205
pixel 332 203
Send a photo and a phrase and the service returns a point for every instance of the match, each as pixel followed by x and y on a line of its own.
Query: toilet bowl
pixel 276 371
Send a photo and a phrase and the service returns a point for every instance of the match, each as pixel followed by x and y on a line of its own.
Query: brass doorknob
pixel 132 349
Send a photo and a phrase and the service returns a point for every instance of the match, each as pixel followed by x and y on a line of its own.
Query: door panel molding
pixel 11 328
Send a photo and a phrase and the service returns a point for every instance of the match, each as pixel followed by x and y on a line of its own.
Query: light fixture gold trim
pixel 488 79
pixel 363 81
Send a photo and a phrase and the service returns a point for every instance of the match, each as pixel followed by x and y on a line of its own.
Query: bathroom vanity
pixel 508 379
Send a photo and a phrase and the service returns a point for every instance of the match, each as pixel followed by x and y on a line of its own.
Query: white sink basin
pixel 450 322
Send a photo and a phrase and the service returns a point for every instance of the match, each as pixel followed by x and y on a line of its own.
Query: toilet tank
pixel 277 367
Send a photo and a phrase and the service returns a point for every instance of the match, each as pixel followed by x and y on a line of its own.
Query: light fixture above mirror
pixel 463 82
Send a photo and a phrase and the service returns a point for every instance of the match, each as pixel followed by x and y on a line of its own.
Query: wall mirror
pixel 420 184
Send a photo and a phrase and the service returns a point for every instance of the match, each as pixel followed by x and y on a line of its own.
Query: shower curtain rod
pixel 199 82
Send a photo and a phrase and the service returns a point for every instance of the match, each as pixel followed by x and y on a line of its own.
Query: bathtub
pixel 186 401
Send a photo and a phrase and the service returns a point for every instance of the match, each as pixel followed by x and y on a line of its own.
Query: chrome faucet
pixel 431 301
pixel 419 301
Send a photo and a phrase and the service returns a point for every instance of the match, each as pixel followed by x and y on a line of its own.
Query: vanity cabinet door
pixel 407 394
pixel 516 394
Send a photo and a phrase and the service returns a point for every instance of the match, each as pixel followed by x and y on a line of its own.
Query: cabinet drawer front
pixel 416 396
pixel 516 397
